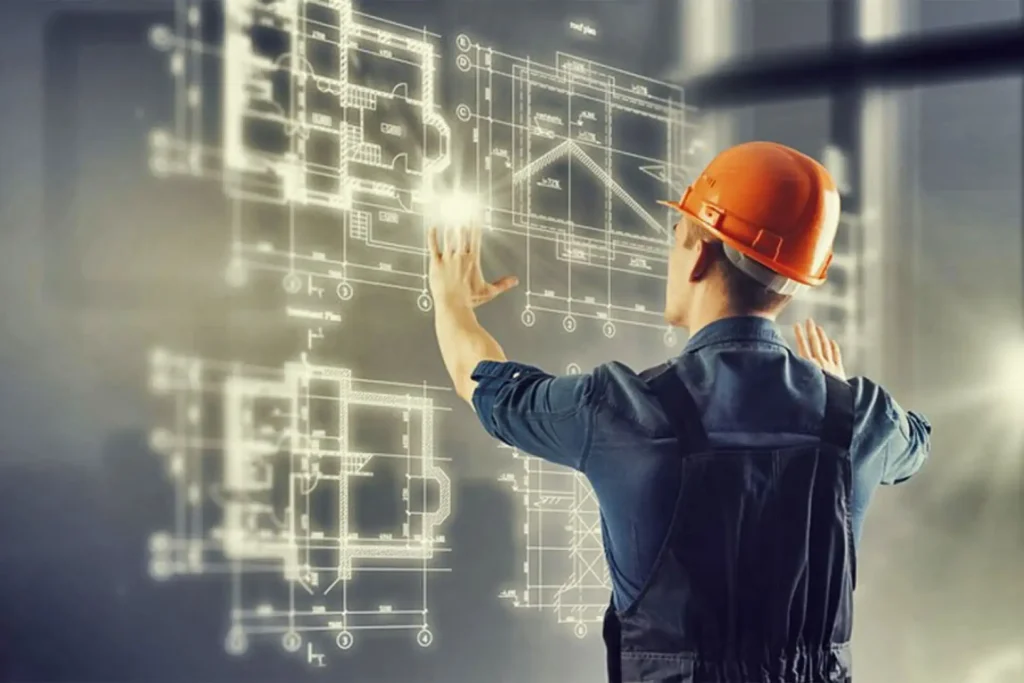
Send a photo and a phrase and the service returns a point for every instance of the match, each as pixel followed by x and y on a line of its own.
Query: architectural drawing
pixel 570 160
pixel 319 494
pixel 564 572
pixel 331 152
pixel 332 145
pixel 331 141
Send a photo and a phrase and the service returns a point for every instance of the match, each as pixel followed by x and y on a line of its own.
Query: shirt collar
pixel 739 328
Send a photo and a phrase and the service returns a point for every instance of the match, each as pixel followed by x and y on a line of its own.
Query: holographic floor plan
pixel 570 159
pixel 334 151
pixel 564 570
pixel 316 492
pixel 331 139
pixel 335 146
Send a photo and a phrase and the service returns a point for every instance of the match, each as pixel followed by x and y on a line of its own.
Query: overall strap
pixel 837 426
pixel 680 408
pixel 612 636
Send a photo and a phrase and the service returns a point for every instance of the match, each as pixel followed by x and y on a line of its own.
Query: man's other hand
pixel 813 344
pixel 455 274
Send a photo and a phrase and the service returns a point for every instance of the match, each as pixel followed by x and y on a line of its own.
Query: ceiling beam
pixel 950 56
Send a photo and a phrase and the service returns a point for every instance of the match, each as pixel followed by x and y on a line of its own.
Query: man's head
pixel 700 274
pixel 756 228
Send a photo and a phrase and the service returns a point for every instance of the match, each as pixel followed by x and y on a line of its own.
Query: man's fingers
pixel 451 239
pixel 826 343
pixel 801 342
pixel 475 240
pixel 466 238
pixel 504 284
pixel 813 344
pixel 815 341
pixel 837 355
pixel 432 244
pixel 495 289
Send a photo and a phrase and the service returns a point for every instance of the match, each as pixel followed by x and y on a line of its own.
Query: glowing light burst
pixel 1010 377
pixel 1006 395
pixel 996 398
pixel 974 394
pixel 1007 666
pixel 455 209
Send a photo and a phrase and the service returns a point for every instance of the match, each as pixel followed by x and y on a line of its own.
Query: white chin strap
pixel 767 277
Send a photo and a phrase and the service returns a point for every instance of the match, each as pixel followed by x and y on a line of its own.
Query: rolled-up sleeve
pixel 890 444
pixel 909 446
pixel 547 416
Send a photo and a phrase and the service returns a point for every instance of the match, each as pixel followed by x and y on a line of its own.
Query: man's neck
pixel 705 315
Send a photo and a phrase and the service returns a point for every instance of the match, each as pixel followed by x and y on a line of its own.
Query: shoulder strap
pixel 837 426
pixel 679 407
pixel 612 635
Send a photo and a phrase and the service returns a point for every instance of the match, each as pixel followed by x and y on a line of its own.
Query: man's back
pixel 754 579
pixel 750 391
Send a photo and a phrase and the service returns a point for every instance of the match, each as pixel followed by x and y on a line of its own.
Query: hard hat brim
pixel 746 250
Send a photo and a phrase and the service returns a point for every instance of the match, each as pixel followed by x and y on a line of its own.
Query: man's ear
pixel 702 264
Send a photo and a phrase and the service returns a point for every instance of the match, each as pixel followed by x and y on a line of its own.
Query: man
pixel 732 480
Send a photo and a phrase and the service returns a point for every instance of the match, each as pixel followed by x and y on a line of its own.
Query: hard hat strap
pixel 767 277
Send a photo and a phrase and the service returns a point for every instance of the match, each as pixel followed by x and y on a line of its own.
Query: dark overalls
pixel 754 583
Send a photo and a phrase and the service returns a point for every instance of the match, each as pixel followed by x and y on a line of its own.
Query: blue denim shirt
pixel 751 390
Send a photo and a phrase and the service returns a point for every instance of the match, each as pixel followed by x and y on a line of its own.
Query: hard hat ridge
pixel 770 204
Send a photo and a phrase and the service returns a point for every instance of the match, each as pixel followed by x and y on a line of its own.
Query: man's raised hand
pixel 455 273
pixel 813 344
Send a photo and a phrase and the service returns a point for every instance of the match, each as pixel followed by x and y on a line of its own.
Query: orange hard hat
pixel 775 210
